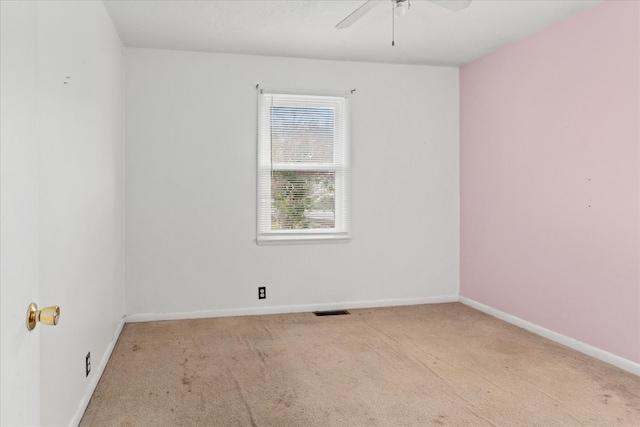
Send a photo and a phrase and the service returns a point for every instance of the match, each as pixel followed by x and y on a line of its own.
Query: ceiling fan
pixel 400 7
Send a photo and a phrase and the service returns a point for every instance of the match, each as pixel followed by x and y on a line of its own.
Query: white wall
pixel 191 184
pixel 77 123
pixel 81 134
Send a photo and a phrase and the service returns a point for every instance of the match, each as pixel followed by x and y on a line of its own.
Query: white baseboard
pixel 82 407
pixel 251 311
pixel 587 349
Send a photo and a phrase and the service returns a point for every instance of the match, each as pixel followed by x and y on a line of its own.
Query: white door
pixel 19 213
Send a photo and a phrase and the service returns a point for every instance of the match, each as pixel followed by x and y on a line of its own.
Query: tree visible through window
pixel 303 154
pixel 302 200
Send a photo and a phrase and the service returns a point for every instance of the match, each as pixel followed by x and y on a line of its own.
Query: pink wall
pixel 550 178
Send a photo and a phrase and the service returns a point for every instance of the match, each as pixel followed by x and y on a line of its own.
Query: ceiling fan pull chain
pixel 393 22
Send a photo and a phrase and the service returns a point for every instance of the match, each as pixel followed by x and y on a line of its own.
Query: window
pixel 303 168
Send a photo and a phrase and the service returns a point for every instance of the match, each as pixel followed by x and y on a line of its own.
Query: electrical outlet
pixel 262 292
pixel 87 364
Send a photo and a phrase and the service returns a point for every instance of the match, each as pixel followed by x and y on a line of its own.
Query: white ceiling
pixel 428 34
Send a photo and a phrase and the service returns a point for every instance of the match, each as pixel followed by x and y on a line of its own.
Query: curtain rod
pixel 304 92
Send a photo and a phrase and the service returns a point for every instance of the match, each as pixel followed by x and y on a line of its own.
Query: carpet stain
pixel 135 347
pixel 507 347
pixel 440 420
pixel 286 399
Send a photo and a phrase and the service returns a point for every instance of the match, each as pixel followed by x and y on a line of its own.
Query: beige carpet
pixel 443 364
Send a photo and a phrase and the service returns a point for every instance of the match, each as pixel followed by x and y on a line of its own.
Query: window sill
pixel 302 239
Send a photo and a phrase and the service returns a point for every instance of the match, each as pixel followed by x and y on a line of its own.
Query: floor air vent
pixel 331 313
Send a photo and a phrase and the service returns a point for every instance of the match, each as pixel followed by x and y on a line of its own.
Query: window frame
pixel 340 166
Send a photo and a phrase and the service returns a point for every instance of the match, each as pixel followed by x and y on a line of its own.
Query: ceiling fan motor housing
pixel 401 7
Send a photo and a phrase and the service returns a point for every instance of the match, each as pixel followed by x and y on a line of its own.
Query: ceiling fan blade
pixel 454 5
pixel 357 14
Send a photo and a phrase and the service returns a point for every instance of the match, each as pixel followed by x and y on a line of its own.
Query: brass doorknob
pixel 48 315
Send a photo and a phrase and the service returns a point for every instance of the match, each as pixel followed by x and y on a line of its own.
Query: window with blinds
pixel 303 167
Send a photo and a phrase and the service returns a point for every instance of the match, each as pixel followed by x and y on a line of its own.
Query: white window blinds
pixel 303 167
